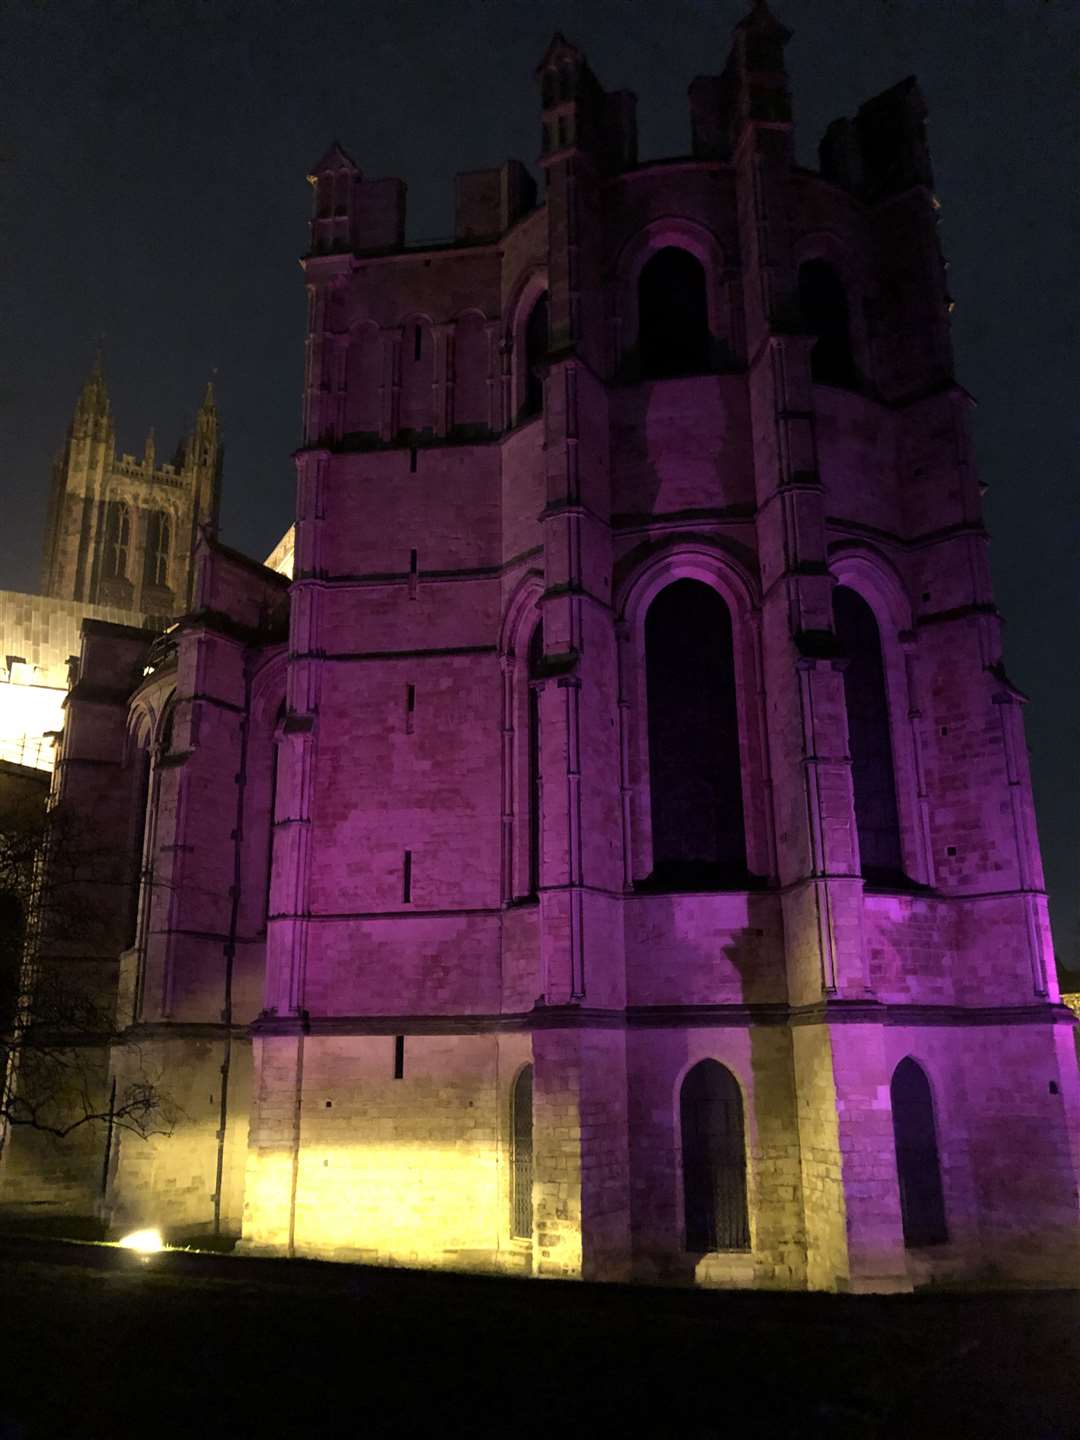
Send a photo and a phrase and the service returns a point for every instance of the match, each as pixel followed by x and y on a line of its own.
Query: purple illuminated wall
pixel 468 472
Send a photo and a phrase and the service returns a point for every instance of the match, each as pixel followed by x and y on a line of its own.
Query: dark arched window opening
pixel 922 1203
pixel 869 737
pixel 521 1156
pixel 698 835
pixel 137 842
pixel 673 315
pixel 117 539
pixel 168 727
pixel 536 349
pixel 158 542
pixel 825 314
pixel 713 1160
pixel 535 661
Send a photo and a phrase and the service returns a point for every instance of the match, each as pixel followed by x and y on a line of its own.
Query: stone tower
pixel 120 530
pixel 627 863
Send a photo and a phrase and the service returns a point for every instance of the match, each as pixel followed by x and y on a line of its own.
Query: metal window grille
pixel 521 1157
pixel 714 1160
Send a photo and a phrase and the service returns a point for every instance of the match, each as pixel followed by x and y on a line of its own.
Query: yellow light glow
pixel 399 1203
pixel 146 1242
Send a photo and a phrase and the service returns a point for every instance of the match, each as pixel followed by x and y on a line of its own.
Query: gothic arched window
pixel 713 1160
pixel 158 545
pixel 140 819
pixel 117 539
pixel 698 835
pixel 521 1155
pixel 673 315
pixel 873 778
pixel 535 660
pixel 825 314
pixel 922 1203
pixel 536 349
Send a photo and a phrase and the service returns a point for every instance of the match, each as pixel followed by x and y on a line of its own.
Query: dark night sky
pixel 155 156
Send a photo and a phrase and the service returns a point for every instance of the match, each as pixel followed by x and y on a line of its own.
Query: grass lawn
pixel 100 1343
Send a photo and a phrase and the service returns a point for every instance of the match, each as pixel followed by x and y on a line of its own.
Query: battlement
pixel 878 154
pixel 129 468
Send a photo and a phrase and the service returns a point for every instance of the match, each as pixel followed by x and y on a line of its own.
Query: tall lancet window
pixel 536 349
pixel 535 661
pixel 825 314
pixel 158 543
pixel 695 772
pixel 138 825
pixel 272 812
pixel 117 539
pixel 873 778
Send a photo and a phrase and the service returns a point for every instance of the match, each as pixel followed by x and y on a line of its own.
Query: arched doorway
pixel 922 1202
pixel 713 1160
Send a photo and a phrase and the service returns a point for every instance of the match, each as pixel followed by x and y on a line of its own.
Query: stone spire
pixel 761 82
pixel 203 450
pixel 92 407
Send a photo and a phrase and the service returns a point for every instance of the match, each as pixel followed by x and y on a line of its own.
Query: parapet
pixel 379 215
pixel 884 150
pixel 488 202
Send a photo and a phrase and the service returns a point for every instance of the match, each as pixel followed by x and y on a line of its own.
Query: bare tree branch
pixel 62 895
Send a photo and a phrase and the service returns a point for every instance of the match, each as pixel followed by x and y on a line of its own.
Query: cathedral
pixel 119 539
pixel 120 530
pixel 604 845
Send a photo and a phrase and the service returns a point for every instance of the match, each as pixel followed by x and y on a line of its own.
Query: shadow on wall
pixel 717 1177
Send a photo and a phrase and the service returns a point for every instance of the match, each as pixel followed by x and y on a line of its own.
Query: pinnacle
pixel 94 395
pixel 335 158
pixel 761 17
pixel 558 48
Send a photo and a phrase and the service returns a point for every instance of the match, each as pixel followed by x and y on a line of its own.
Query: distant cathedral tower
pixel 120 530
